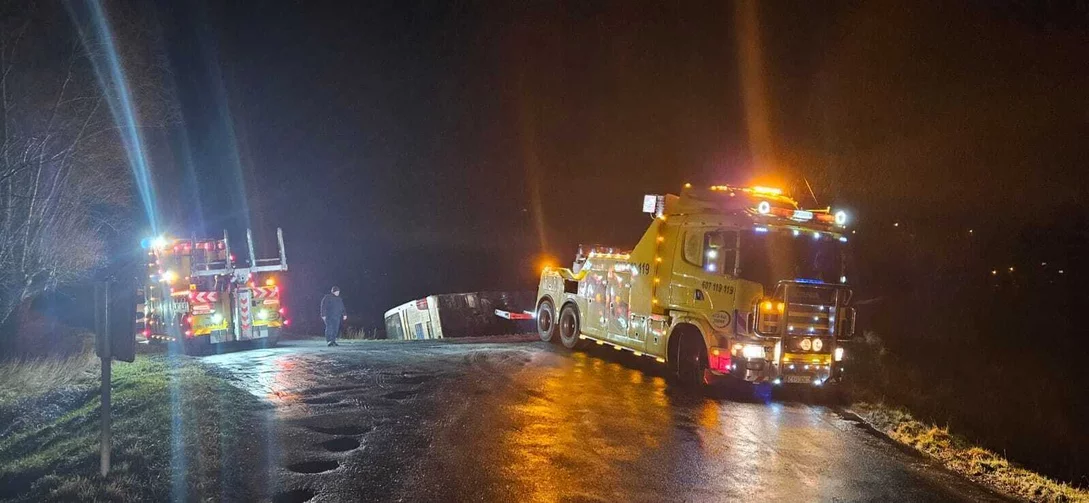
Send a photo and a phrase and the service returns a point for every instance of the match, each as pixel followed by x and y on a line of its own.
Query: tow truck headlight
pixel 817 344
pixel 838 354
pixel 806 344
pixel 764 207
pixel 753 352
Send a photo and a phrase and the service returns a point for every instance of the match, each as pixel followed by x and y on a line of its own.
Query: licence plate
pixel 797 379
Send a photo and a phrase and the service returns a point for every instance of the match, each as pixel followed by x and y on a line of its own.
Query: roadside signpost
pixel 115 339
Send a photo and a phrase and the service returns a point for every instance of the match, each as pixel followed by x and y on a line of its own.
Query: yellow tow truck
pixel 726 283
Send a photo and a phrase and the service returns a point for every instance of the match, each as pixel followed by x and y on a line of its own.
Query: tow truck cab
pixel 727 282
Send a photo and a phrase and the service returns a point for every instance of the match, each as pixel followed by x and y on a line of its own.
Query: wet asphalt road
pixel 518 420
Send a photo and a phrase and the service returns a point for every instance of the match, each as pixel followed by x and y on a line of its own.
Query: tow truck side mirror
pixel 846 326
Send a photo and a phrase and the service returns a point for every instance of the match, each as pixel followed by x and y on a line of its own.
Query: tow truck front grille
pixel 813 320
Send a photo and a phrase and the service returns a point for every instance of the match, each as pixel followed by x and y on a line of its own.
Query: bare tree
pixel 64 177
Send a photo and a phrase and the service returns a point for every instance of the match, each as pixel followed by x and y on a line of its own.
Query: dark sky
pixel 410 148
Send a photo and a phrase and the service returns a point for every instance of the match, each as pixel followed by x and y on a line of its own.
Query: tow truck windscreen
pixel 776 255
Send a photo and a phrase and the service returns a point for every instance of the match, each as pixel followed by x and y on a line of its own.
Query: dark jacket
pixel 332 306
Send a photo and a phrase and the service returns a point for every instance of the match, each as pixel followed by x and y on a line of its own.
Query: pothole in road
pixel 348 429
pixel 294 496
pixel 340 444
pixel 314 466
pixel 319 400
pixel 400 395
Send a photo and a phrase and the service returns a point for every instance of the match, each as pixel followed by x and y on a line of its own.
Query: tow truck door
pixel 619 293
pixel 596 292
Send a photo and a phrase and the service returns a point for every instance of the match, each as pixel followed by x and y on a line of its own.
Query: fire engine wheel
pixel 569 326
pixel 546 321
pixel 197 346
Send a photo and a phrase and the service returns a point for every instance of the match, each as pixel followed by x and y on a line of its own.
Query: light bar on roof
pixel 768 190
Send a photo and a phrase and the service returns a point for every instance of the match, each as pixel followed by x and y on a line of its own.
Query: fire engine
pixel 198 296
pixel 727 283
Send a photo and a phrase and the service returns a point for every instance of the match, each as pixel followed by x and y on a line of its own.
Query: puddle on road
pixel 314 466
pixel 294 496
pixel 347 429
pixel 400 395
pixel 343 444
pixel 321 400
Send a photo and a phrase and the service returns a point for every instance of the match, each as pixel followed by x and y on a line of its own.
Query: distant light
pixel 843 279
pixel 994 272
pixel 970 231
pixel 897 224
pixel 816 235
pixel 1060 271
pixel 840 218
pixel 688 185
pixel 777 381
pixel 1044 264
pixel 838 354
pixel 817 382
pixel 1011 269
pixel 764 207
pixel 797 232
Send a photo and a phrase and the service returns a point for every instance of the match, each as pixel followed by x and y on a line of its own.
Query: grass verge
pixel 22 379
pixel 957 454
pixel 176 430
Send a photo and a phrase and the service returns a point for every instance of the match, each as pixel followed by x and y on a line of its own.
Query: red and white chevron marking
pixel 266 292
pixel 203 297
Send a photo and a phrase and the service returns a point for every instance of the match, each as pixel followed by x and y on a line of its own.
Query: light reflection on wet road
pixel 528 421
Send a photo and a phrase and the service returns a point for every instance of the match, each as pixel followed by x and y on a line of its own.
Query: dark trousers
pixel 332 328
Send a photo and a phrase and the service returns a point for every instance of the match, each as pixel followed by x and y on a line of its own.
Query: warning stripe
pixel 203 297
pixel 264 292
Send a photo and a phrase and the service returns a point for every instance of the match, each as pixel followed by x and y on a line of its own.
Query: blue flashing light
pixel 843 239
pixel 808 281
pixel 760 229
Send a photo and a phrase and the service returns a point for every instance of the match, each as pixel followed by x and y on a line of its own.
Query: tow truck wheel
pixel 569 326
pixel 691 362
pixel 546 321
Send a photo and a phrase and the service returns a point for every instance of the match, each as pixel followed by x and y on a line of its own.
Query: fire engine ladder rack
pixel 256 265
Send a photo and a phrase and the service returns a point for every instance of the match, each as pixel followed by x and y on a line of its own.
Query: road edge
pixel 958 456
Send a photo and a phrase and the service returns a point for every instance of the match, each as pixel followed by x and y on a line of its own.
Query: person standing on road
pixel 332 313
